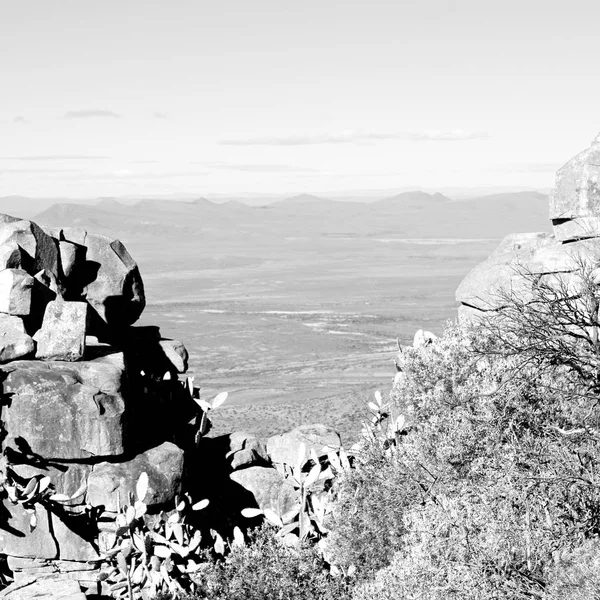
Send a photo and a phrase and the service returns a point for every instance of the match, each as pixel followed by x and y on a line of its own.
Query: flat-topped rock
pixel 62 335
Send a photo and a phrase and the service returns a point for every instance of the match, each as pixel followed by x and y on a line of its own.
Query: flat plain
pixel 295 308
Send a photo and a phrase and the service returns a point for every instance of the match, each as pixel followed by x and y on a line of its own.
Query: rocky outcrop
pixel 80 390
pixel 90 402
pixel 575 199
pixel 521 260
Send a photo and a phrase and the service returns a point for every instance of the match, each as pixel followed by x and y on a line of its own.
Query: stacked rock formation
pixel 575 216
pixel 84 395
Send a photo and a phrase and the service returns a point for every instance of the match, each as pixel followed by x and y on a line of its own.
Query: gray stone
pixel 285 448
pixel 67 478
pixel 50 539
pixel 485 285
pixel 62 335
pixel 44 589
pixel 244 458
pixel 111 483
pixel 15 292
pixel 110 278
pixel 14 341
pixel 176 353
pixel 269 488
pixel 63 411
pixel 575 199
pixel 71 256
pixel 11 256
pixel 40 251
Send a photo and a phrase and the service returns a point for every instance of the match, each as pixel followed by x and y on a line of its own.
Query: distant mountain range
pixel 410 214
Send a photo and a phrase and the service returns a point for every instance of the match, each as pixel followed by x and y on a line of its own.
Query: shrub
pixel 494 479
pixel 265 569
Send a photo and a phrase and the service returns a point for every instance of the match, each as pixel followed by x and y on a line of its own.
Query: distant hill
pixel 408 215
pixel 416 199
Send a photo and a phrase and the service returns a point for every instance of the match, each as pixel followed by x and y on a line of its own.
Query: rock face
pixel 522 259
pixel 76 408
pixel 575 199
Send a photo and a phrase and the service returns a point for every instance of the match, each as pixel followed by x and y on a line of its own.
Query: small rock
pixel 244 458
pixel 15 292
pixel 423 338
pixel 62 335
pixel 71 256
pixel 176 353
pixel 11 256
pixel 14 341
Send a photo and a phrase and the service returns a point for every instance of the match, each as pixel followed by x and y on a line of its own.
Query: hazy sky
pixel 143 96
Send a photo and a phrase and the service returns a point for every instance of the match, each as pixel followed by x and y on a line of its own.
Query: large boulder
pixel 575 199
pixel 111 484
pixel 268 488
pixel 285 448
pixel 485 285
pixel 58 410
pixel 55 535
pixel 108 279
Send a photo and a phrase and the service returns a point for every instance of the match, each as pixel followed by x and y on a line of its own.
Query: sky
pixel 146 97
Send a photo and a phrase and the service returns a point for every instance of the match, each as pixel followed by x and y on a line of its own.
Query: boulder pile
pixel 83 395
pixel 91 401
pixel 575 216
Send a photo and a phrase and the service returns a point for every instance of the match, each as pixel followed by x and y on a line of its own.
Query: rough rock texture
pixel 52 538
pixel 62 413
pixel 14 341
pixel 268 487
pixel 523 260
pixel 575 199
pixel 109 279
pixel 285 448
pixel 110 484
pixel 62 335
pixel 39 250
pixel 483 287
pixel 44 589
pixel 15 292
pixel 176 353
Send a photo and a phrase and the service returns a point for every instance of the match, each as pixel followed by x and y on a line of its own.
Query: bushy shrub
pixel 265 569
pixel 495 478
